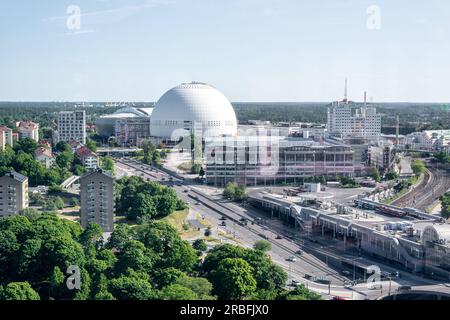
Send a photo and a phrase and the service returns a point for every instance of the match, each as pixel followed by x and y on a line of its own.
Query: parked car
pixel 278 237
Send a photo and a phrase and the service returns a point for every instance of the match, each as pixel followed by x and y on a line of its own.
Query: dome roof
pixel 191 105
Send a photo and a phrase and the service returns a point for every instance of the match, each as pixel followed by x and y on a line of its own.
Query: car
pixel 278 237
pixel 295 282
pixel 404 288
pixel 198 203
pixel 223 224
pixel 348 285
pixel 299 252
pixel 292 259
pixel 186 191
pixel 223 218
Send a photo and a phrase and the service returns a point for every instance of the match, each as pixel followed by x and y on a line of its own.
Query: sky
pixel 251 50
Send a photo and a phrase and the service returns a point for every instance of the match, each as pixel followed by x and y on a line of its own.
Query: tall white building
pixel 348 119
pixel 351 120
pixel 72 126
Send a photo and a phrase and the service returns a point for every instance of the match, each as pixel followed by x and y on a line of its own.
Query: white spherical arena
pixel 193 108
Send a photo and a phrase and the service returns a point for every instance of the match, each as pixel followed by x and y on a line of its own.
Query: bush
pixel 235 192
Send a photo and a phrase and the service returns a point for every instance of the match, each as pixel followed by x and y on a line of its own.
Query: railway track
pixel 433 185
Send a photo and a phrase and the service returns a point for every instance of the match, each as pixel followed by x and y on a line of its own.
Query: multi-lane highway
pixel 284 244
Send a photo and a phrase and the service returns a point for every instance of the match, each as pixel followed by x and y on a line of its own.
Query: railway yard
pixel 434 183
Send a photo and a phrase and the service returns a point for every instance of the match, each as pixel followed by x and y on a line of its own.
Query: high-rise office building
pixel 350 119
pixel 347 119
pixel 13 193
pixel 72 126
pixel 97 199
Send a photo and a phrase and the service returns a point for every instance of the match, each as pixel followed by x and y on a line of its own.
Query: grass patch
pixel 178 221
pixel 185 166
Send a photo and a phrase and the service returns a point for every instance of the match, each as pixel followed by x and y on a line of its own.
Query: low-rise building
pixel 97 199
pixel 28 129
pixel 429 140
pixel 44 156
pixel 13 193
pixel 6 137
pixel 88 158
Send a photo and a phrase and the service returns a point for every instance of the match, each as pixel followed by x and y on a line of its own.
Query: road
pixel 215 209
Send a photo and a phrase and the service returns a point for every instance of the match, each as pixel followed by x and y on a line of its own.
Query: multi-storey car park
pixel 404 237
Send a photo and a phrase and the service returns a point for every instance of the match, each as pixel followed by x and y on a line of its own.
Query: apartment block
pixel 13 193
pixel 72 126
pixel 97 199
pixel 28 129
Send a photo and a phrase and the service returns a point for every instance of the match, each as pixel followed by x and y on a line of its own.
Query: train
pixel 395 211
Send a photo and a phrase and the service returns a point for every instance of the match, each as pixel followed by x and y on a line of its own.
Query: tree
pixel 166 276
pixel 234 192
pixel 233 279
pixel 144 208
pixel 165 241
pixel 136 256
pixel 445 205
pixel 177 292
pixel 376 175
pixel 62 146
pixel 200 245
pixel 196 168
pixel 201 286
pixel 65 159
pixel 418 167
pixel 391 175
pixel 132 287
pixel 91 145
pixel 91 235
pixel 302 293
pixel 59 203
pixel 18 291
pixel 25 145
pixel 148 147
pixel 143 201
pixel 74 202
pixel 120 237
pixel 107 163
pixel 262 245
